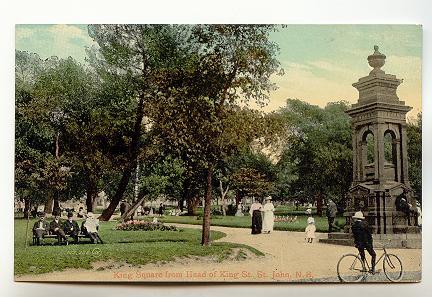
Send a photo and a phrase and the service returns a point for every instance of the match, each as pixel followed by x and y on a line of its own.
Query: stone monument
pixel 380 188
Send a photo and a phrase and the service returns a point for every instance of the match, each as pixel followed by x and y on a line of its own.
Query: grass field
pixel 132 247
pixel 245 222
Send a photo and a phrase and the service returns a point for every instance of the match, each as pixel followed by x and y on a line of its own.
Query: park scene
pixel 210 153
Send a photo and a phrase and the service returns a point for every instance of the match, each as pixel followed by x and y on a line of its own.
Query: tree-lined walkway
pixel 287 258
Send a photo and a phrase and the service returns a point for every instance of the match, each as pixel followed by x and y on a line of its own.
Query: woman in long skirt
pixel 255 212
pixel 268 210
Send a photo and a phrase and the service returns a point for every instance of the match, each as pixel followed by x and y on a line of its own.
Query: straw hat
pixel 90 215
pixel 308 211
pixel 311 220
pixel 358 215
pixel 268 198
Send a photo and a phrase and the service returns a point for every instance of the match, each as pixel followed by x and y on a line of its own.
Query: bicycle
pixel 351 268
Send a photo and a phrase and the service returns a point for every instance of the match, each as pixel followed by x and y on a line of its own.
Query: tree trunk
pixel 27 206
pixel 319 203
pixel 192 205
pixel 91 192
pixel 49 204
pixel 223 195
pixel 131 211
pixel 108 212
pixel 127 172
pixel 207 209
pixel 56 202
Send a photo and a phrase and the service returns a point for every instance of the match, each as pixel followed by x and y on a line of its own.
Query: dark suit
pixel 71 228
pixel 363 240
pixel 57 229
pixel 331 214
pixel 40 229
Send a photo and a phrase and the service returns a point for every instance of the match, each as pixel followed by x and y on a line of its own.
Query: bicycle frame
pixel 377 261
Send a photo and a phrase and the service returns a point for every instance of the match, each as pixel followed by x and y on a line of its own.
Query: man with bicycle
pixel 363 238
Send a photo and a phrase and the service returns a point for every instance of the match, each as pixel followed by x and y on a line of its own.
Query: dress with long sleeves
pixel 255 212
pixel 268 221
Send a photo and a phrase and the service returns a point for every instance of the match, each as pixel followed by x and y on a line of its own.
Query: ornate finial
pixel 376 60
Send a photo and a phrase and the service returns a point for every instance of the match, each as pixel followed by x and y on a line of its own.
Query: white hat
pixel 268 198
pixel 311 220
pixel 308 211
pixel 358 215
pixel 90 214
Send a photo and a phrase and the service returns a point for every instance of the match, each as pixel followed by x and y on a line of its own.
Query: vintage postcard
pixel 218 153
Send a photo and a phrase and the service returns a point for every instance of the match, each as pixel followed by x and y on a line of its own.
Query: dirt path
pixel 287 258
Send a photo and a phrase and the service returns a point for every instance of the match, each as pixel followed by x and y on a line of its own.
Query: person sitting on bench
pixel 91 226
pixel 71 227
pixel 56 227
pixel 40 228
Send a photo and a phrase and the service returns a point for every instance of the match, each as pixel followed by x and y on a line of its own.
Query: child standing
pixel 310 230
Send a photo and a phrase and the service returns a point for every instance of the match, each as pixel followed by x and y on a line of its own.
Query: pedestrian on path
pixel 255 212
pixel 310 230
pixel 268 210
pixel 331 214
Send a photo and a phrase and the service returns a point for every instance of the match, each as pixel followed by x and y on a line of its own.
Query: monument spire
pixel 380 161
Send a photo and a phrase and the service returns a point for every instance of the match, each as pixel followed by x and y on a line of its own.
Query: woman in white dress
pixel 268 221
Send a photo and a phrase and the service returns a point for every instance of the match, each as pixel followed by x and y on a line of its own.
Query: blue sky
pixel 320 61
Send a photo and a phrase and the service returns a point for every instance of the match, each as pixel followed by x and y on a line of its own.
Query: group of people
pixel 140 210
pixel 70 227
pixel 262 216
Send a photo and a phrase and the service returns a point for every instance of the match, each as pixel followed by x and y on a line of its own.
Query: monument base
pixel 397 241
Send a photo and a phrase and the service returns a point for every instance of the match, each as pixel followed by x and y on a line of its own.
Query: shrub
pixel 135 225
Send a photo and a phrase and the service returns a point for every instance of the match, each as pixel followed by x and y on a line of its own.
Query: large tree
pixel 135 58
pixel 317 159
pixel 34 138
pixel 229 64
pixel 414 133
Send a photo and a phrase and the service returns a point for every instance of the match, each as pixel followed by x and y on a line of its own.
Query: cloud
pixel 68 32
pixel 304 82
pixel 327 66
pixel 21 33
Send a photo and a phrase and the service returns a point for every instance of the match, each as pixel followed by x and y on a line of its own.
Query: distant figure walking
pixel 268 210
pixel 124 207
pixel 239 212
pixel 310 230
pixel 419 214
pixel 161 209
pixel 255 212
pixel 331 214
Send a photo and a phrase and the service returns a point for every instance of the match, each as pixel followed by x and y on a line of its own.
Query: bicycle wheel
pixel 351 268
pixel 392 267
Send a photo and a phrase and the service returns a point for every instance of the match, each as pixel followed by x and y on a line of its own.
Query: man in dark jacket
pixel 71 227
pixel 363 238
pixel 331 214
pixel 56 227
pixel 40 228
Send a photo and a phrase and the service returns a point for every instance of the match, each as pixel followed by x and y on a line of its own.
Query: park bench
pixel 80 236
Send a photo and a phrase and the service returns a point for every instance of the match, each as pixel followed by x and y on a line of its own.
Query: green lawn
pixel 133 247
pixel 245 222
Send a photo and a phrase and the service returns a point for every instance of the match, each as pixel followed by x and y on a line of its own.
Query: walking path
pixel 287 258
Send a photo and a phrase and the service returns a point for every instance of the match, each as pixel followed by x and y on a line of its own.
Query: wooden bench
pixel 58 238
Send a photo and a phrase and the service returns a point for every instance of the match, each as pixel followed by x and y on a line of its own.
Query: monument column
pixel 404 149
pixel 376 186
